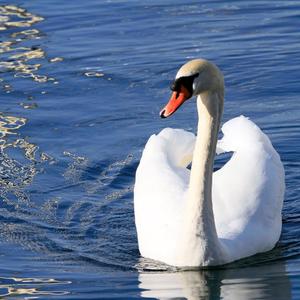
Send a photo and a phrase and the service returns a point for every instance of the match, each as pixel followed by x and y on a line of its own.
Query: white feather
pixel 247 191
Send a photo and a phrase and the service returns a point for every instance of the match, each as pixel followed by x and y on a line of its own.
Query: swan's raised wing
pixel 248 190
pixel 161 184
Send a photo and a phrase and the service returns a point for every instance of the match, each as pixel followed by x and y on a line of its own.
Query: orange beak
pixel 177 99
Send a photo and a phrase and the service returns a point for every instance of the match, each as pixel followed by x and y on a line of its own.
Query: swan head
pixel 195 77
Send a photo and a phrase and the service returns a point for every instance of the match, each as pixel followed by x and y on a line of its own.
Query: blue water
pixel 82 83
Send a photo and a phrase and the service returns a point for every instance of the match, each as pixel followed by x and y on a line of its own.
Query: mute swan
pixel 199 218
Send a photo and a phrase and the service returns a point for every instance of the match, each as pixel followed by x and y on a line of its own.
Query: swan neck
pixel 202 231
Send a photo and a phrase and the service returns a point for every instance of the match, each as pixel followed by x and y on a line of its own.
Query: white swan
pixel 197 218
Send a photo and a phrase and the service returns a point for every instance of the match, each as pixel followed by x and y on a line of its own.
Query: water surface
pixel 82 84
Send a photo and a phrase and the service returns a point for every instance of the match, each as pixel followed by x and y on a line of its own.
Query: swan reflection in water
pixel 267 281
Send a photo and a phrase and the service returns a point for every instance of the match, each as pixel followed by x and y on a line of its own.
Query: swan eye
pixel 175 85
pixel 186 81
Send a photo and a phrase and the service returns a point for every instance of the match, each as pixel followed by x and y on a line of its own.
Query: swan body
pixel 194 218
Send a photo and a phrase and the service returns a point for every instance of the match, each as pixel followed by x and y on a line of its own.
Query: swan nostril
pixel 162 114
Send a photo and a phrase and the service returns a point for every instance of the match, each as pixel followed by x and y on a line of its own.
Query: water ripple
pixel 82 85
pixel 13 287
